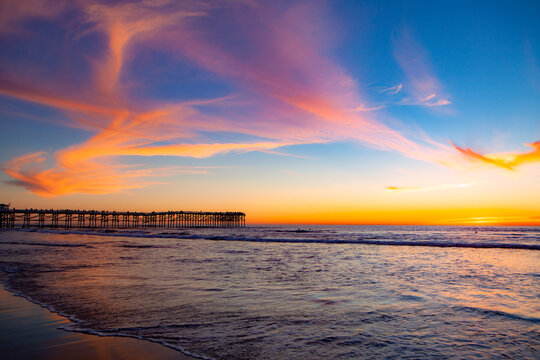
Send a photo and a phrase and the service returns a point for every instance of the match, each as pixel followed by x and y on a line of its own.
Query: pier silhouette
pixel 55 219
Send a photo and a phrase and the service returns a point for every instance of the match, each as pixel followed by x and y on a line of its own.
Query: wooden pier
pixel 67 219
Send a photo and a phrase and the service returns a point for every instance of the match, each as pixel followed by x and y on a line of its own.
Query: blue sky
pixel 110 104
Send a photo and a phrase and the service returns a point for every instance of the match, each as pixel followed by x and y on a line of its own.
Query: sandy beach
pixel 29 331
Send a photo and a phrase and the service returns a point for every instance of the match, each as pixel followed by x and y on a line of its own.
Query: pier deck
pixel 28 218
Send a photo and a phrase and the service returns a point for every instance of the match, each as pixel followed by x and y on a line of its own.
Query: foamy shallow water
pixel 276 292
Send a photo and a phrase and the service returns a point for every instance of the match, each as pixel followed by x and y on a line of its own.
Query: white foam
pixel 380 240
pixel 75 327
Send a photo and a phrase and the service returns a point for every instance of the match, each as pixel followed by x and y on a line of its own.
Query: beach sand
pixel 29 331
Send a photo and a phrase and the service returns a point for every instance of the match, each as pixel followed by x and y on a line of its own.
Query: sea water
pixel 289 292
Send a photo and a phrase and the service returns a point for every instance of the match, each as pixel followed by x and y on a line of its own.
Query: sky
pixel 305 112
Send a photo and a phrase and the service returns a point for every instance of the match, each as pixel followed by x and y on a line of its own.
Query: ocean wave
pixel 300 231
pixel 141 246
pixel 42 244
pixel 489 312
pixel 379 240
pixel 445 244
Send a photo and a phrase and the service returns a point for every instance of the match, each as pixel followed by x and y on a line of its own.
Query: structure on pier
pixel 27 218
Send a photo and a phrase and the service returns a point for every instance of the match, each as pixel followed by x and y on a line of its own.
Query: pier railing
pixel 28 218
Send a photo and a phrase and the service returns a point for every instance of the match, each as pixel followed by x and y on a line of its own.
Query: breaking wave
pixel 300 236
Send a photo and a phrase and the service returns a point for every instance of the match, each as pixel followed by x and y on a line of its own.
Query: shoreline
pixel 31 331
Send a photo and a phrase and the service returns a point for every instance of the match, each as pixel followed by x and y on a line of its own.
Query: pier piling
pixel 27 218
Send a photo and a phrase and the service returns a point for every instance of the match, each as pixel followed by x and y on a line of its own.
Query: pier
pixel 67 219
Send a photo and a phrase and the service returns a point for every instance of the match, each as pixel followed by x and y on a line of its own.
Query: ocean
pixel 292 292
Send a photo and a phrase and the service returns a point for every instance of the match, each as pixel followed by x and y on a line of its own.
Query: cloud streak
pixel 393 90
pixel 423 85
pixel 508 161
pixel 406 189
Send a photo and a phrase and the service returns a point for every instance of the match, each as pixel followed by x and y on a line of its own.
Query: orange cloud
pixel 57 102
pixel 507 161
pixel 84 168
pixel 87 176
pixel 58 181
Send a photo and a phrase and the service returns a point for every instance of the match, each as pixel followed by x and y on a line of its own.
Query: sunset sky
pixel 354 112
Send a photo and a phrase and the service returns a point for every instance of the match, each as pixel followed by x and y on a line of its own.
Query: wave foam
pixel 365 240
pixel 76 323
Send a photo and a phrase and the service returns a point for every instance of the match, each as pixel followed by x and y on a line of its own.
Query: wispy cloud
pixel 393 90
pixel 509 161
pixel 362 107
pixel 423 85
pixel 431 100
pixel 89 178
pixel 407 189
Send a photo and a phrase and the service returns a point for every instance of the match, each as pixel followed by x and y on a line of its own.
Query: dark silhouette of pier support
pixel 55 219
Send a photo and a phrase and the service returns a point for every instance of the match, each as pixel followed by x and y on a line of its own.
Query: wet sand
pixel 29 331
